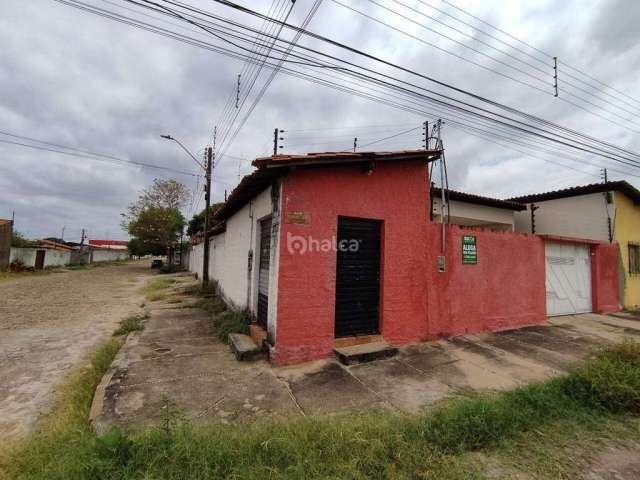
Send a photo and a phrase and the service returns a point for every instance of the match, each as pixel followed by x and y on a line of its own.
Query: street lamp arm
pixel 169 137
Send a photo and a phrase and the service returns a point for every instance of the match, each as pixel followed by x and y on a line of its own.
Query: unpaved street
pixel 48 324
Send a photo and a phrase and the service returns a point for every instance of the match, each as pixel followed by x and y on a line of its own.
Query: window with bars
pixel 634 258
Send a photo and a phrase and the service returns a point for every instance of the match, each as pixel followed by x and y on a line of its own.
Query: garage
pixel 568 278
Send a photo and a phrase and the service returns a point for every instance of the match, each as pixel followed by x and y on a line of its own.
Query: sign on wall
pixel 469 250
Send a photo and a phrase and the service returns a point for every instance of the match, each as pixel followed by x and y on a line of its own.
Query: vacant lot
pixel 48 323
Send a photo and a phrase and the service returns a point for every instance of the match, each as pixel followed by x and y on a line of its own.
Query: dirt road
pixel 48 324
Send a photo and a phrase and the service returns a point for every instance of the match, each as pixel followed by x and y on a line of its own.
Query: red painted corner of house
pixel 604 278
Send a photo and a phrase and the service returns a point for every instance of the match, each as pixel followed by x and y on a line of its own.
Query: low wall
pixel 52 258
pixel 505 289
pixel 108 255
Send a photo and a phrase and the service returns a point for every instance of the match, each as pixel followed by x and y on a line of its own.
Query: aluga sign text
pixel 469 249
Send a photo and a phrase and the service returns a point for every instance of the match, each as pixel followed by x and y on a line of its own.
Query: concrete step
pixel 366 352
pixel 244 348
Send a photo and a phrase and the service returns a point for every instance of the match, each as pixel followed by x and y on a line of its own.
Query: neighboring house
pixel 329 250
pixel 44 254
pixel 6 231
pixel 110 244
pixel 603 212
pixel 469 210
pixel 108 250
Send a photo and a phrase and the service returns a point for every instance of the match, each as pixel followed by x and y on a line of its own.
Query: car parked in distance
pixel 156 264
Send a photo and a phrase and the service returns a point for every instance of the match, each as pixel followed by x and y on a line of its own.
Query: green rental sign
pixel 469 250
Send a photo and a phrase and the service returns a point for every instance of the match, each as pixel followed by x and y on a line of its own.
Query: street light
pixel 207 197
pixel 169 137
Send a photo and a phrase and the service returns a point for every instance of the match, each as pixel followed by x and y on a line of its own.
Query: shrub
pixel 131 324
pixel 231 322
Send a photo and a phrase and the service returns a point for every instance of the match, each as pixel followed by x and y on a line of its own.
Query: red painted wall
pixel 395 193
pixel 604 277
pixel 505 289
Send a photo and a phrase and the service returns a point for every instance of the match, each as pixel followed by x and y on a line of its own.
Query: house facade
pixel 336 249
pixel 604 212
pixel 469 210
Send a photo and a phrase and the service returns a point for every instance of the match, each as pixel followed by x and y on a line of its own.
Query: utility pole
pixel 276 132
pixel 207 199
pixel 555 75
pixel 82 237
pixel 355 143
pixel 425 134
pixel 62 235
pixel 605 175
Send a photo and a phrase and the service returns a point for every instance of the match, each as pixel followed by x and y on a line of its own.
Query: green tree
pixel 196 224
pixel 140 248
pixel 154 219
pixel 157 226
pixel 169 194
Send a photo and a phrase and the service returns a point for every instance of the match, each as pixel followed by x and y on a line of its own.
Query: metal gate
pixel 568 280
pixel 263 271
pixel 357 277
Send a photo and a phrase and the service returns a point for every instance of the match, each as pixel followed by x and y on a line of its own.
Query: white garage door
pixel 568 279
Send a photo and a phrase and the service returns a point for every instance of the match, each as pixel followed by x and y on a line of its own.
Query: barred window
pixel 634 258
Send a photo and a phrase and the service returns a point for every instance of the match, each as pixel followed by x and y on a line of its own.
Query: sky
pixel 78 80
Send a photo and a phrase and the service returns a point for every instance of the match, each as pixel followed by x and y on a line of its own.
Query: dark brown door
pixel 39 259
pixel 263 272
pixel 357 277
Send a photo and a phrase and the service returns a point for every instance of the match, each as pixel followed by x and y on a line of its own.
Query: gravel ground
pixel 47 326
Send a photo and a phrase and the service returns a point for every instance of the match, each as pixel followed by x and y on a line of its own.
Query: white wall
pixel 109 255
pixel 231 252
pixel 584 216
pixel 52 258
pixel 229 255
pixel 471 215
pixel 195 259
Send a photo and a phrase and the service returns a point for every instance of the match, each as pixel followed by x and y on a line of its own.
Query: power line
pixel 93 156
pixel 274 72
pixel 527 84
pixel 449 106
pixel 548 55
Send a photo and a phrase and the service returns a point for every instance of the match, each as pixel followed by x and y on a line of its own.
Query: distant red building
pixel 109 244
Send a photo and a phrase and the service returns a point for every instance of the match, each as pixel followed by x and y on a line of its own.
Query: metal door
pixel 357 277
pixel 568 279
pixel 263 271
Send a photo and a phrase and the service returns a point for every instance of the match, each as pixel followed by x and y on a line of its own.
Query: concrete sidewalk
pixel 177 359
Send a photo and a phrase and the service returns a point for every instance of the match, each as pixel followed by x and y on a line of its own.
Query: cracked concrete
pixel 178 359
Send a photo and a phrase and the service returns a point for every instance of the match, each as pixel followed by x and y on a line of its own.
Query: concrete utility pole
pixel 207 200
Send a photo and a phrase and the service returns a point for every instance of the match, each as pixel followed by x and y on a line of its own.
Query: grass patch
pixel 450 442
pixel 64 446
pixel 155 290
pixel 231 322
pixel 225 321
pixel 131 324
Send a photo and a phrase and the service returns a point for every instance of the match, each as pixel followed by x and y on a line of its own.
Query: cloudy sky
pixel 78 80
